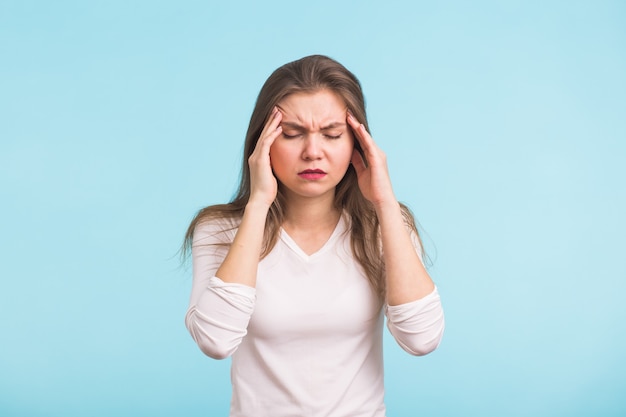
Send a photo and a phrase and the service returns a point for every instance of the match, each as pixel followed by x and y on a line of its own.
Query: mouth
pixel 312 171
pixel 312 174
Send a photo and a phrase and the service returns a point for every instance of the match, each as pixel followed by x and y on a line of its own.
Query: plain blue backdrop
pixel 504 123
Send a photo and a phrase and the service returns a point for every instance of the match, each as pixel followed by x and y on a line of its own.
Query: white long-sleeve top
pixel 307 341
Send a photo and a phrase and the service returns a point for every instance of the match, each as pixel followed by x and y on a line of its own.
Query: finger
pixel 270 132
pixel 269 139
pixel 357 162
pixel 363 136
pixel 275 129
pixel 272 123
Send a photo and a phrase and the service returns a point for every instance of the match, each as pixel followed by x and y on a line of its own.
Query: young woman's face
pixel 313 153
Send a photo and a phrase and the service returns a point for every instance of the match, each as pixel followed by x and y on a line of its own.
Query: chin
pixel 308 192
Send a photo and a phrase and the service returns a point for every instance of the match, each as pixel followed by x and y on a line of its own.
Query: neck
pixel 311 213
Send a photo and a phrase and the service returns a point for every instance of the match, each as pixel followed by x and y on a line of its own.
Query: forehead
pixel 316 107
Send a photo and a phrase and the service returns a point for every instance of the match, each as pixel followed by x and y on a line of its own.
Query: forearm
pixel 242 260
pixel 407 279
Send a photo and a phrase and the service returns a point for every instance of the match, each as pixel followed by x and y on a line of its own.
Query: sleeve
pixel 417 326
pixel 219 312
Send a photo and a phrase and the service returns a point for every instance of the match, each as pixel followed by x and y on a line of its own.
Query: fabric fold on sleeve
pixel 417 326
pixel 219 319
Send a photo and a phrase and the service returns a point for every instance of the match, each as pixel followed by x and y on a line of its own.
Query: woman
pixel 292 278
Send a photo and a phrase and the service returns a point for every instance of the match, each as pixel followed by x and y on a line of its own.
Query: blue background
pixel 504 124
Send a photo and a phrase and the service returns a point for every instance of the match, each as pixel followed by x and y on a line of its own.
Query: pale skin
pixel 312 130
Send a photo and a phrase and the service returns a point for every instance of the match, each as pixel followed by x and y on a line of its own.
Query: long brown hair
pixel 310 74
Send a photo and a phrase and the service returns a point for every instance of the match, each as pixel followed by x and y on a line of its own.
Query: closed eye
pixel 332 136
pixel 286 136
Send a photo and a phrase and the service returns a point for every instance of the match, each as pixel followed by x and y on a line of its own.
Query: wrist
pixel 389 213
pixel 386 204
pixel 255 206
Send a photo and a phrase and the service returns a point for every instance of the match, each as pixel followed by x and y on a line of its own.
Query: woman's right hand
pixel 263 184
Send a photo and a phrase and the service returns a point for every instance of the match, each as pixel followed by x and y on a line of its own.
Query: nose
pixel 312 148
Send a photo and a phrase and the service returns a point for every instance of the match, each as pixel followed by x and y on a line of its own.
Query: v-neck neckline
pixel 339 229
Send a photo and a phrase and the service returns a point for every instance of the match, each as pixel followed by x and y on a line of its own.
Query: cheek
pixel 346 152
pixel 278 157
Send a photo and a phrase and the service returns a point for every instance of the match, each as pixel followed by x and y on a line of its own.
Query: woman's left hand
pixel 373 176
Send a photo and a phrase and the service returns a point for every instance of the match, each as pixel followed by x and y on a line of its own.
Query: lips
pixel 312 174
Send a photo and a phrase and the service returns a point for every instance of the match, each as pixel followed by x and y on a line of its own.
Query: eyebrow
pixel 297 126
